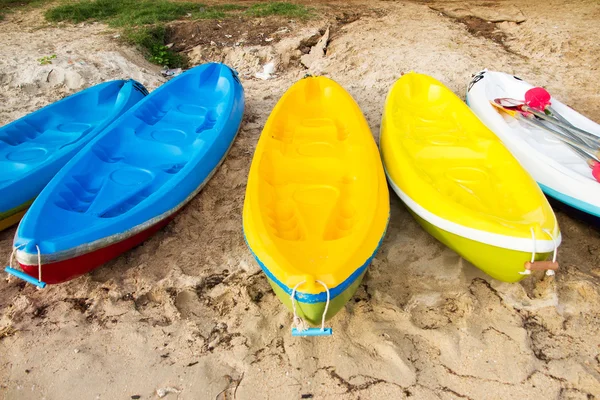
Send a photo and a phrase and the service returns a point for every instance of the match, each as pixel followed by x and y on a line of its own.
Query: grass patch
pixel 279 8
pixel 143 20
pixel 118 13
pixel 151 39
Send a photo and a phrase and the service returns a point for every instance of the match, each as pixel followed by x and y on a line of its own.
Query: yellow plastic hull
pixel 499 263
pixel 12 220
pixel 13 216
pixel 461 183
pixel 317 202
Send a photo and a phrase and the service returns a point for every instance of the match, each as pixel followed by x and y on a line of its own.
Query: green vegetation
pixel 119 13
pixel 151 40
pixel 143 21
pixel 46 59
pixel 279 8
pixel 144 12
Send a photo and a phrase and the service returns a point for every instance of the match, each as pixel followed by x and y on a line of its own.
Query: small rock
pixel 317 51
pixel 171 72
pixel 267 71
pixel 76 351
pixel 162 392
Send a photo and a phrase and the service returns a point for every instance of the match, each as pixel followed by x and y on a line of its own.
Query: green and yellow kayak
pixel 317 203
pixel 461 184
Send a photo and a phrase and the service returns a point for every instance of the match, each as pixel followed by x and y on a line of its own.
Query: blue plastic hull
pixel 34 148
pixel 143 168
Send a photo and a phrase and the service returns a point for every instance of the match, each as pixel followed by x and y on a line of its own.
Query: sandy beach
pixel 190 315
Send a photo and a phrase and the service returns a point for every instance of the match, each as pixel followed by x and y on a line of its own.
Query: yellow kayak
pixel 317 202
pixel 461 184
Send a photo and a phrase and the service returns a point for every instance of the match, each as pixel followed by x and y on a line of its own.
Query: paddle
pixel 590 156
pixel 539 99
pixel 584 137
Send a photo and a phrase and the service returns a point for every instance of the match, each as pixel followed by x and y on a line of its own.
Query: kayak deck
pixel 34 148
pixel 316 204
pixel 440 154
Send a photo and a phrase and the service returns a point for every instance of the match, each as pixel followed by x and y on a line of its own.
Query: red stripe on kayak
pixel 71 268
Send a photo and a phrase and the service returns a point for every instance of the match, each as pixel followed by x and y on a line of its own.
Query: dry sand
pixel 189 314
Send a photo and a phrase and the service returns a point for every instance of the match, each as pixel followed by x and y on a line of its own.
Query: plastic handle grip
pixel 312 332
pixel 25 277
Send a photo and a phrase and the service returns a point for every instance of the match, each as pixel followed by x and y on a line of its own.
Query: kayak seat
pixel 20 132
pixel 28 143
pixel 307 182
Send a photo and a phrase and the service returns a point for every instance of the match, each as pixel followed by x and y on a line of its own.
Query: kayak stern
pixel 313 312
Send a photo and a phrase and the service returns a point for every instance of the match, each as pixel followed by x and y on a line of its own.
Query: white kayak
pixel 559 171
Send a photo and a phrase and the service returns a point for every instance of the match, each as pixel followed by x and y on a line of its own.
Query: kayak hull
pixel 317 202
pixel 499 263
pixel 461 183
pixel 11 217
pixel 590 209
pixel 12 220
pixel 65 270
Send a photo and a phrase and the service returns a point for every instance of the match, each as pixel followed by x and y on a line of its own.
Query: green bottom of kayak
pixel 499 263
pixel 313 312
pixel 14 215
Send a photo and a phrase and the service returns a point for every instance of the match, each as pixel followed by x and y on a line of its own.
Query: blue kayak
pixel 134 177
pixel 34 148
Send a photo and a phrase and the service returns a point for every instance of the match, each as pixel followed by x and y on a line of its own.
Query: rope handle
pixel 299 325
pixel 549 266
pixel 21 274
